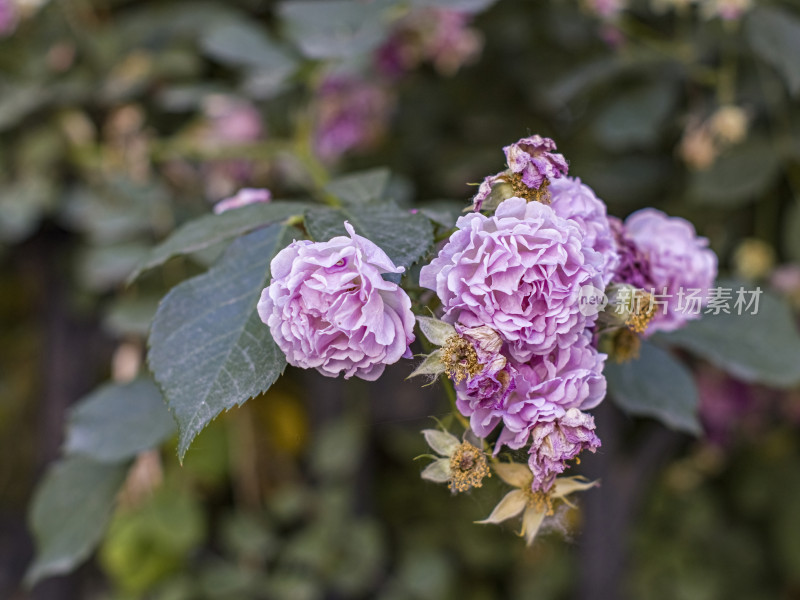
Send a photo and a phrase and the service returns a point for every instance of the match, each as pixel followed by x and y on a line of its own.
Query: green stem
pixel 451 396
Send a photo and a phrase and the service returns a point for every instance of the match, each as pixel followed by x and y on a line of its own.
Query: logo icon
pixel 591 300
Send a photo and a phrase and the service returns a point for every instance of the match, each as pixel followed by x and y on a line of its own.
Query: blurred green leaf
pixel 22 206
pixel 467 6
pixel 244 44
pixel 762 348
pixel 131 316
pixel 108 217
pixel 101 268
pixel 774 35
pixel 118 421
pixel 19 100
pixel 736 177
pixel 362 187
pixel 634 118
pixel 211 229
pixel 69 513
pixel 655 385
pixel 791 232
pixel 334 28
pixel 337 449
pixel 405 237
pixel 444 213
pixel 148 543
pixel 209 350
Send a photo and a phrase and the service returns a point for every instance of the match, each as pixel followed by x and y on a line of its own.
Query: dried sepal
pixel 438 471
pixel 512 504
pixel 441 442
pixel 514 474
pixel 436 331
pixel 432 366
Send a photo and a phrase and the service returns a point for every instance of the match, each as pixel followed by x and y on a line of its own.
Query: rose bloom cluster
pixel 523 357
pixel 519 272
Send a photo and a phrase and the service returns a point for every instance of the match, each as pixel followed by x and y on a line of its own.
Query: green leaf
pixel 655 385
pixel 103 267
pixel 362 187
pixel 131 316
pixel 634 118
pixel 405 237
pixel 334 28
pixel 736 177
pixel 791 232
pixel 443 213
pixel 467 6
pixel 118 421
pixel 70 510
pixel 774 35
pixel 209 350
pixel 243 44
pixel 762 348
pixel 212 229
pixel 20 100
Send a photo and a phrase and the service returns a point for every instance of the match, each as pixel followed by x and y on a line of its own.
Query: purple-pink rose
pixel 243 197
pixel 555 442
pixel 679 263
pixel 518 272
pixel 520 395
pixel 329 308
pixel 633 266
pixel 547 386
pixel 574 200
pixel 535 160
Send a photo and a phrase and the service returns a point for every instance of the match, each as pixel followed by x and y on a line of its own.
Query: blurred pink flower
pixel 436 35
pixel 8 17
pixel 243 197
pixel 351 114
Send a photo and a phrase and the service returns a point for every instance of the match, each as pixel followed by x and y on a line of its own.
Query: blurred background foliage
pixel 120 120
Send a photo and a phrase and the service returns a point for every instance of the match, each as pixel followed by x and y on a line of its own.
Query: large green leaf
pixel 404 236
pixel 118 421
pixel 774 35
pixel 358 188
pixel 763 348
pixel 212 229
pixel 655 385
pixel 209 350
pixel 69 512
pixel 334 28
pixel 736 177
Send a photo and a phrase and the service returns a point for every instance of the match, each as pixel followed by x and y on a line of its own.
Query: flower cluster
pixel 512 333
pixel 510 283
pixel 523 355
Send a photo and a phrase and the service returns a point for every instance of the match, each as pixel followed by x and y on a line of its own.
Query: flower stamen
pixel 521 189
pixel 460 359
pixel 642 312
pixel 468 468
